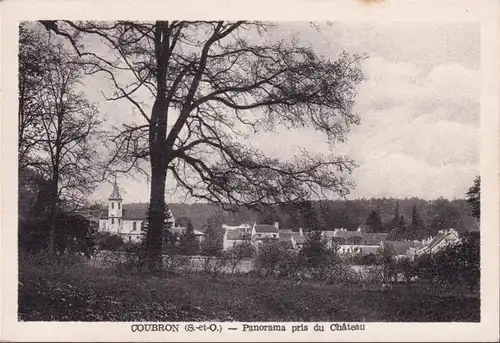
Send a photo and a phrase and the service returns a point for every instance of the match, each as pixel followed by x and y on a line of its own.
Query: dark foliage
pixel 459 263
pixel 474 197
pixel 373 223
pixel 188 242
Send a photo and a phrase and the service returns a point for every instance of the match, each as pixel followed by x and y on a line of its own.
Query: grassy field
pixel 86 294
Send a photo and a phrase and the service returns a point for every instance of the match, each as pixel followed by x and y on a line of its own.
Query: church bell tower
pixel 115 210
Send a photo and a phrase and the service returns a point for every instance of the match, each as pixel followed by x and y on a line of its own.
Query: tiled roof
pixel 266 228
pixel 374 238
pixel 439 237
pixel 134 211
pixel 285 236
pixel 235 234
pixel 399 248
pixel 436 240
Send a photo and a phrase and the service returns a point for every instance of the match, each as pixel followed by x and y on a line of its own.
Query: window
pixel 274 236
pixel 112 205
pixel 134 226
pixel 112 221
pixel 118 205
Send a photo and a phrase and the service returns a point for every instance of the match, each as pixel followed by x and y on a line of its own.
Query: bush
pixel 213 265
pixel 239 252
pixel 50 262
pixel 269 258
pixel 458 263
pixel 108 241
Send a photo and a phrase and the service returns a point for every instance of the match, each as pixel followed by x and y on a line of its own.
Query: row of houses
pixel 126 220
pixel 344 241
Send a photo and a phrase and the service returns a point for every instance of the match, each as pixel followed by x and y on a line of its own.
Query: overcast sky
pixel 419 108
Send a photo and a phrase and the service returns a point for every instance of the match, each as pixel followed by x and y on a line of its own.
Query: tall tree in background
pixel 474 197
pixel 63 140
pixel 417 224
pixel 396 220
pixel 218 86
pixel 373 223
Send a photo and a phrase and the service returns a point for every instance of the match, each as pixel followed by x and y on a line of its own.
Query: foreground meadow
pixel 82 293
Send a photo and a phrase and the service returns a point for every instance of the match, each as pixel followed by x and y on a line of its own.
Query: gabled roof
pixel 138 211
pixel 134 211
pixel 264 228
pixel 236 234
pixel 399 247
pixel 440 237
pixel 374 238
pixel 285 236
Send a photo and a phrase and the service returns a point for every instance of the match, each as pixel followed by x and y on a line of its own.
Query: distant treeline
pixel 432 215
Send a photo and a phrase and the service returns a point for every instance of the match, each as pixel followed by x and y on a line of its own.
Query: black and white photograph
pixel 249 171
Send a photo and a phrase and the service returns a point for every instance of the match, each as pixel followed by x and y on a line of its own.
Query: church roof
pixel 138 211
pixel 134 211
pixel 115 195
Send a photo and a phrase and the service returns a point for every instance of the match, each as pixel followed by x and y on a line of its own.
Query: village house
pixel 235 235
pixel 354 242
pixel 443 239
pixel 126 219
pixel 257 234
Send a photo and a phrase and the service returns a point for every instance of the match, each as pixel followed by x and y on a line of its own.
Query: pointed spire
pixel 115 195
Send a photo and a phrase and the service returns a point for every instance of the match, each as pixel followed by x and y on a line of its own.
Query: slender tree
pixel 59 128
pixel 188 243
pixel 397 217
pixel 417 225
pixel 218 86
pixel 474 197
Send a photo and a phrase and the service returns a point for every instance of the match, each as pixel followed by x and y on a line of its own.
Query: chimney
pixel 277 225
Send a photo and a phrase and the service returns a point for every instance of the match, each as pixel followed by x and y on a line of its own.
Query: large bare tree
pixel 217 82
pixel 59 128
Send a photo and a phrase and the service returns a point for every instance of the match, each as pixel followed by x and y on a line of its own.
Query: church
pixel 126 219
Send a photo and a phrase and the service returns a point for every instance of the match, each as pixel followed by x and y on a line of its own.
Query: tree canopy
pixel 217 87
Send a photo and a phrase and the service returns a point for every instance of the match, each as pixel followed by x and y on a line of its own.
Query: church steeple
pixel 115 210
pixel 115 195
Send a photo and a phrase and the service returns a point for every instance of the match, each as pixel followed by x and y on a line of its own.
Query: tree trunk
pixel 156 216
pixel 52 219
pixel 156 220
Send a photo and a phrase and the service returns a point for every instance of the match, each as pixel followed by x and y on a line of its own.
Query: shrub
pixel 269 257
pixel 108 241
pixel 239 252
pixel 213 265
pixel 458 263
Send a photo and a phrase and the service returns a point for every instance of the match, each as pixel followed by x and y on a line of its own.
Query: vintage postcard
pixel 250 171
